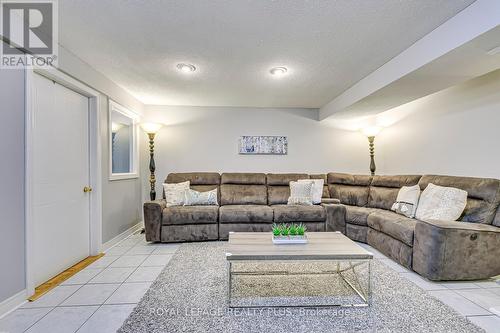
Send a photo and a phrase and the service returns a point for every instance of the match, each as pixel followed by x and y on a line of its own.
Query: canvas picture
pixel 268 145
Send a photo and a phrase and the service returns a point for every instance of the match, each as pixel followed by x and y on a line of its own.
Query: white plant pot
pixel 290 239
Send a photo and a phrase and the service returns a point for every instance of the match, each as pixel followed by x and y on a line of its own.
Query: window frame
pixel 134 150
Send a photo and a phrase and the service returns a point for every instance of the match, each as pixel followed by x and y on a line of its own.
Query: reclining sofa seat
pixel 389 232
pixel 278 191
pixel 434 249
pixel 184 223
pixel 244 204
pixel 466 250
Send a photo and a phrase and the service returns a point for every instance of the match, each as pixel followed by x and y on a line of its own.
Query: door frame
pixel 95 240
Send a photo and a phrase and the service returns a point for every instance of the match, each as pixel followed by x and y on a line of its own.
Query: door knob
pixel 87 189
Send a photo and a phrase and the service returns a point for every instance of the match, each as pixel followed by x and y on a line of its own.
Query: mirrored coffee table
pixel 330 270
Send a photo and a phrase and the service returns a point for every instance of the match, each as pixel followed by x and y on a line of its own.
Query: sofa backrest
pixel 278 186
pixel 199 181
pixel 482 199
pixel 349 189
pixel 326 193
pixel 243 189
pixel 384 189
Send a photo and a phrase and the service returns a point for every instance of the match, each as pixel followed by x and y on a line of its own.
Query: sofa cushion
pixel 349 189
pixel 199 181
pixel 358 215
pixel 195 178
pixel 397 226
pixel 326 193
pixel 278 186
pixel 245 213
pixel 298 213
pixel 384 189
pixel 441 203
pixel 356 232
pixel 190 215
pixel 407 201
pixel 301 193
pixel 483 195
pixel 284 179
pixel 232 194
pixel 244 178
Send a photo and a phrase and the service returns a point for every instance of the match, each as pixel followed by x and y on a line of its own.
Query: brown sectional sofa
pixel 356 205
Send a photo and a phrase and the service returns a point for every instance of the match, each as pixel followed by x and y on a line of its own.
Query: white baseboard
pixel 12 303
pixel 115 240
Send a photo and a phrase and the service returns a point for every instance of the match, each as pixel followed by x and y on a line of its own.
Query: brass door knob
pixel 87 189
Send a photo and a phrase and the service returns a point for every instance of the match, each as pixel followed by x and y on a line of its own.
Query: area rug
pixel 190 295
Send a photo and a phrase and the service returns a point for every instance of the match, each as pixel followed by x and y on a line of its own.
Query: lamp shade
pixel 371 131
pixel 151 127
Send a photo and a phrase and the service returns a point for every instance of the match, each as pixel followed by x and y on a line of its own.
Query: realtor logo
pixel 28 28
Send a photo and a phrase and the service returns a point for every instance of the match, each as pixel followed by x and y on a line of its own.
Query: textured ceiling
pixel 327 45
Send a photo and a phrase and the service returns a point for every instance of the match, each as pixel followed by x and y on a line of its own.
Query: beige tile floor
pixel 99 298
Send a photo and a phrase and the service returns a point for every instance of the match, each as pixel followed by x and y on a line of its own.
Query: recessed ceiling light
pixel 278 71
pixel 186 68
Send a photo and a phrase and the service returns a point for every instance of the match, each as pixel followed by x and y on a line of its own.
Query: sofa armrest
pixel 451 250
pixel 153 215
pixel 330 201
pixel 335 217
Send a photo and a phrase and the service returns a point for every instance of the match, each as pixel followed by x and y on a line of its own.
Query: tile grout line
pixel 470 300
pixel 124 281
pixel 53 308
pixel 59 304
pixel 104 302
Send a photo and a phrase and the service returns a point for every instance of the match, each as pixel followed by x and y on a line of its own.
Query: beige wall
pixel 206 139
pixel 455 132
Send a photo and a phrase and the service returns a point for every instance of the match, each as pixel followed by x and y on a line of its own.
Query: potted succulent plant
pixel 289 233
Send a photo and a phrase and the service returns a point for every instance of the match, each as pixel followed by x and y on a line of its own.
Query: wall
pixel 455 131
pixel 206 139
pixel 12 251
pixel 121 199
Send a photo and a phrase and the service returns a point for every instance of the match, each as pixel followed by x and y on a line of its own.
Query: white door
pixel 61 209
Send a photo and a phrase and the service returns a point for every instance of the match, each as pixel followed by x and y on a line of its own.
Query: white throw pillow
pixel 195 198
pixel 317 190
pixel 407 201
pixel 174 193
pixel 301 193
pixel 441 203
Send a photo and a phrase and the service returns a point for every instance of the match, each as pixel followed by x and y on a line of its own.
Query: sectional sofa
pixel 356 205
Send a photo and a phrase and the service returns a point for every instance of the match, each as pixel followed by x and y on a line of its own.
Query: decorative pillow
pixel 317 190
pixel 407 201
pixel 174 193
pixel 441 203
pixel 301 193
pixel 195 198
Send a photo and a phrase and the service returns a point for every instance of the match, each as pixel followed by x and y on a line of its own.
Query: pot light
pixel 186 68
pixel 278 71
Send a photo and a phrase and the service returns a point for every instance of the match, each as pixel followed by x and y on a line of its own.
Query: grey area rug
pixel 190 295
